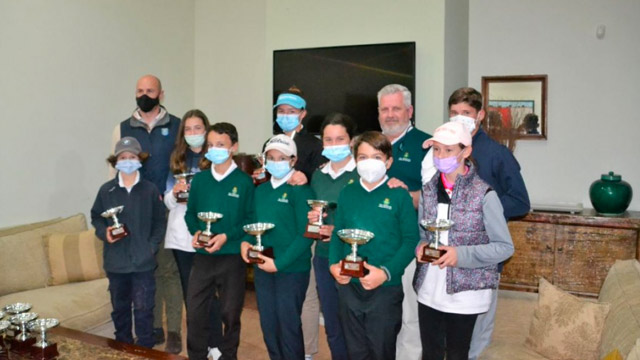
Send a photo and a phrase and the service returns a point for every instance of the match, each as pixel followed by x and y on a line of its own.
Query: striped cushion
pixel 73 257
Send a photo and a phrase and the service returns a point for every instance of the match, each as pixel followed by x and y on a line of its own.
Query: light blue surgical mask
pixel 128 166
pixel 278 169
pixel 194 140
pixel 336 153
pixel 217 155
pixel 288 122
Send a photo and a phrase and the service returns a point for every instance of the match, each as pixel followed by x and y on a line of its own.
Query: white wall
pixel 69 70
pixel 593 124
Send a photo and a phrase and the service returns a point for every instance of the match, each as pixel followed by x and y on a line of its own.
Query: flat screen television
pixel 343 79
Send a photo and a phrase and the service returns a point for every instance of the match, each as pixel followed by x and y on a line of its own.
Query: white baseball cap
pixel 282 143
pixel 450 133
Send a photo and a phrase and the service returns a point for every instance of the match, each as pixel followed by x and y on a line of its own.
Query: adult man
pixel 497 167
pixel 156 129
pixel 394 114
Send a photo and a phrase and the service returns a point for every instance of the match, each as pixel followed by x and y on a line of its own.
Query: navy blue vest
pixel 158 143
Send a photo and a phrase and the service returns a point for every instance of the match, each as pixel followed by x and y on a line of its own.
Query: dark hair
pixel 294 90
pixel 467 95
pixel 222 128
pixel 339 119
pixel 376 140
pixel 179 155
pixel 112 159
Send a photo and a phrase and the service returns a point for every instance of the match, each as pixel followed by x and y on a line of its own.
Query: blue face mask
pixel 217 155
pixel 278 169
pixel 288 122
pixel 336 153
pixel 128 166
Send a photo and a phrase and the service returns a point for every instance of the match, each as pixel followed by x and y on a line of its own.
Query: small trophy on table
pixel 4 325
pixel 23 341
pixel 257 229
pixel 313 228
pixel 208 217
pixel 43 349
pixel 118 231
pixel 183 195
pixel 352 264
pixel 14 309
pixel 431 252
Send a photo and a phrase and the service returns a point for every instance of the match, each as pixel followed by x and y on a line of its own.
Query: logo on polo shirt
pixel 405 157
pixel 164 131
pixel 283 199
pixel 234 192
pixel 350 182
pixel 385 204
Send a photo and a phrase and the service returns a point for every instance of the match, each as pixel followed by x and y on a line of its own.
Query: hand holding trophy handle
pixel 352 264
pixel 118 230
pixel 182 195
pixel 260 174
pixel 257 229
pixel 432 252
pixel 206 236
pixel 313 228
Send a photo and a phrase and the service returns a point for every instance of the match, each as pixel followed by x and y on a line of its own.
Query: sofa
pixel 518 312
pixel 56 266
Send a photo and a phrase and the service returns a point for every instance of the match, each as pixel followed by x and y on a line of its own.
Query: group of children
pixel 362 314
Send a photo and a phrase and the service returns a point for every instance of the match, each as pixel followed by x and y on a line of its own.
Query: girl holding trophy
pixel 456 286
pixel 129 260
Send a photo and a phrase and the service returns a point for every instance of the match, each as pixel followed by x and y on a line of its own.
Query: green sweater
pixel 326 188
pixel 390 215
pixel 232 197
pixel 407 159
pixel 287 208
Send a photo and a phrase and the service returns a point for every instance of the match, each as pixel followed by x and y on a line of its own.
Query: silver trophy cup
pixel 118 230
pixel 257 229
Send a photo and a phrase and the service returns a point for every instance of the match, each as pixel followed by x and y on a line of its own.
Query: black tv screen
pixel 343 79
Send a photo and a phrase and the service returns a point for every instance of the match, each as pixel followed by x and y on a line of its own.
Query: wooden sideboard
pixel 573 251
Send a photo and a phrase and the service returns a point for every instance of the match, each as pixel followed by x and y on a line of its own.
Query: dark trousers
pixel 184 260
pixel 371 320
pixel 445 333
pixel 328 294
pixel 280 297
pixel 222 278
pixel 137 289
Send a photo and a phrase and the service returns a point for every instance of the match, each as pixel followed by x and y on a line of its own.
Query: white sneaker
pixel 214 353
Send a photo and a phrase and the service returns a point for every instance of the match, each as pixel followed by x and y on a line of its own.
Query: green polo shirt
pixel 286 207
pixel 407 158
pixel 327 188
pixel 232 197
pixel 390 215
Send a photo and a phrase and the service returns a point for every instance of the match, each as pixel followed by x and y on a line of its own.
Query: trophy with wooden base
pixel 430 252
pixel 262 176
pixel 14 309
pixel 313 228
pixel 22 342
pixel 208 217
pixel 118 231
pixel 43 349
pixel 352 264
pixel 257 229
pixel 183 195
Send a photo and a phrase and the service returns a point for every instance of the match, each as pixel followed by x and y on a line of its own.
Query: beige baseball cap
pixel 450 133
pixel 282 143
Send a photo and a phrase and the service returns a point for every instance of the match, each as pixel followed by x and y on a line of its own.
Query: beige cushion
pixel 564 326
pixel 20 228
pixel 22 260
pixel 73 257
pixel 82 305
pixel 634 354
pixel 621 289
pixel 509 352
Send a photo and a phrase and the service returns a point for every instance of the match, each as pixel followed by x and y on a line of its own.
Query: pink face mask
pixel 446 165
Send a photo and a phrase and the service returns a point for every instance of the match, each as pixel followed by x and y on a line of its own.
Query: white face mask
pixel 468 122
pixel 194 140
pixel 371 170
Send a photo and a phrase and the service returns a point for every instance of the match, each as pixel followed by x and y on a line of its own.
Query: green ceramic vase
pixel 610 195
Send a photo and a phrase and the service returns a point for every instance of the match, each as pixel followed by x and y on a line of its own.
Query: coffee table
pixel 75 344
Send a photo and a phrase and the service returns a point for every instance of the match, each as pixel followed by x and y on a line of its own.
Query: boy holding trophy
pixel 370 290
pixel 129 249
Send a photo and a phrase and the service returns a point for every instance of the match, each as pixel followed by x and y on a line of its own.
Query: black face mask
pixel 145 103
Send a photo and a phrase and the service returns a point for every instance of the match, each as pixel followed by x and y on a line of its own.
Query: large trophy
pixel 43 349
pixel 118 231
pixel 431 252
pixel 262 175
pixel 257 229
pixel 208 217
pixel 352 265
pixel 23 341
pixel 183 196
pixel 313 229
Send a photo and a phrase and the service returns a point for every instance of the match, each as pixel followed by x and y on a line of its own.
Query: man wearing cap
pixel 394 113
pixel 156 130
pixel 129 261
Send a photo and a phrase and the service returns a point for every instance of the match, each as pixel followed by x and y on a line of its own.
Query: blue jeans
pixel 139 289
pixel 328 295
pixel 280 297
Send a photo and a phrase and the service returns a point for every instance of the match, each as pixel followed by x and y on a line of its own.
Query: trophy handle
pixel 115 221
pixel 259 240
pixel 208 227
pixel 354 251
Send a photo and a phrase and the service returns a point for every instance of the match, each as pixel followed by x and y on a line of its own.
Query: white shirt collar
pixel 377 186
pixel 220 177
pixel 403 134
pixel 327 169
pixel 121 182
pixel 277 182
